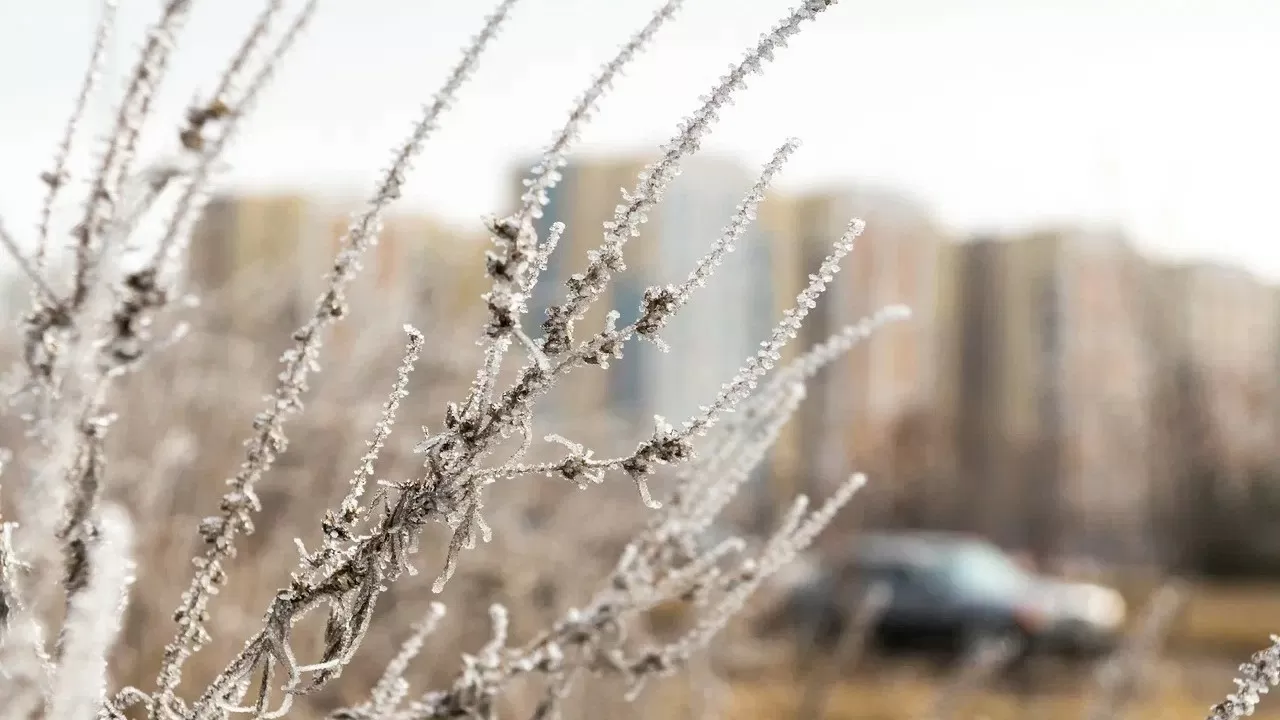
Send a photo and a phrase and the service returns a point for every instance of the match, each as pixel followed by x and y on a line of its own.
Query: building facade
pixel 260 262
pixel 712 336
pixel 852 418
pixel 1046 382
pixel 245 259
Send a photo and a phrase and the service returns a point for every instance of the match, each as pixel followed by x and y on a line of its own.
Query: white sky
pixel 1160 115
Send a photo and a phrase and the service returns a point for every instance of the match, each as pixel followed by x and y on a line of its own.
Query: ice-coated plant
pixel 65 563
pixel 1255 679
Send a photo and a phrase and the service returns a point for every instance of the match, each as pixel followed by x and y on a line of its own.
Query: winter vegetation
pixel 127 590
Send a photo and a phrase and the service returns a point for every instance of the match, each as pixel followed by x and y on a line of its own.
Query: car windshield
pixel 988 572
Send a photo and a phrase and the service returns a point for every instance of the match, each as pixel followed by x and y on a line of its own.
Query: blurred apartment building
pixel 1022 400
pixel 852 418
pixel 1221 327
pixel 710 339
pixel 1028 398
pixel 1044 383
pixel 259 262
pixel 851 410
pixel 1215 416
pixel 244 263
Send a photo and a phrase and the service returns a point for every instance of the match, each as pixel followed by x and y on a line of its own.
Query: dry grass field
pixel 902 699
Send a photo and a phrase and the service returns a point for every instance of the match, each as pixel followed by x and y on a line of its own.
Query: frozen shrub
pixel 64 556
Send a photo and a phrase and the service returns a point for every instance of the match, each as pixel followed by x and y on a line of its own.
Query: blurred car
pixel 948 592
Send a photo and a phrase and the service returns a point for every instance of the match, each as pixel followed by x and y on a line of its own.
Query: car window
pixel 908 584
pixel 987 572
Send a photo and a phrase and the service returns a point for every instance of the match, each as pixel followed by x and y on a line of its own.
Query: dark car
pixel 949 592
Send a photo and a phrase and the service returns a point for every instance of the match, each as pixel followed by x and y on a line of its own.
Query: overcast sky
pixel 1161 116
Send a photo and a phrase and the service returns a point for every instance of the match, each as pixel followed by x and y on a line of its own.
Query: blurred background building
pixel 722 324
pixel 1055 390
pixel 260 261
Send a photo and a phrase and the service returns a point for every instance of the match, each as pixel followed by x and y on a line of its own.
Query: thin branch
pixel 57 178
pixel 11 246
pixel 240 502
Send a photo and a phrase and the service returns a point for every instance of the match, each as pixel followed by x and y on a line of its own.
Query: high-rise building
pixel 422 271
pixel 1226 325
pixel 779 230
pixel 850 418
pixel 721 325
pixel 442 266
pixel 261 262
pixel 245 259
pixel 583 200
pixel 969 301
pixel 1048 392
pixel 1107 384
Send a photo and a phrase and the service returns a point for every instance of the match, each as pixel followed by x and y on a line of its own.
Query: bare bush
pixel 110 306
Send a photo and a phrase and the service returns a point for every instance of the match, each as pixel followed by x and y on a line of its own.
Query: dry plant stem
pixel 796 532
pixel 229 112
pixel 825 352
pixel 661 564
pixel 118 159
pixel 449 492
pixel 392 686
pixel 10 595
pixel 56 507
pixel 546 174
pixel 1256 678
pixel 57 178
pixel 591 640
pixel 68 327
pixel 220 100
pixel 77 346
pixel 1119 678
pixel 510 264
pixel 585 288
pixel 453 454
pixel 118 349
pixel 203 147
pixel 25 668
pixel 666 439
pixel 734 438
pixel 71 389
pixel 586 468
pixel 983 663
pixel 852 644
pixel 80 530
pixel 269 441
pixel 87 636
pixel 660 304
pixel 140 295
pixel 340 527
pixel 44 292
pixel 672 530
pixel 194 135
pixel 518 260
